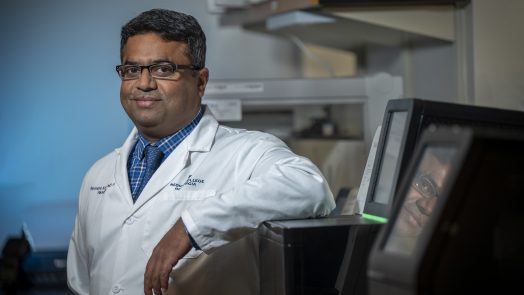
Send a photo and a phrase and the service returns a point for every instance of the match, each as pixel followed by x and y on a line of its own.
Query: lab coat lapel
pixel 121 177
pixel 168 170
pixel 200 140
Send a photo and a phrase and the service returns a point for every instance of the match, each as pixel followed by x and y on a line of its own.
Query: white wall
pixel 498 53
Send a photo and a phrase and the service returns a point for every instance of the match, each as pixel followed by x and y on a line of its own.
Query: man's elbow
pixel 321 198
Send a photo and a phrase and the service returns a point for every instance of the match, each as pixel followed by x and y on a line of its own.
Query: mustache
pixel 144 96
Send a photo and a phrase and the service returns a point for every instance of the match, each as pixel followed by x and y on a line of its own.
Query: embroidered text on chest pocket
pixel 188 195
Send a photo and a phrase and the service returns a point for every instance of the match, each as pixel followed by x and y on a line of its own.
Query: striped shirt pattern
pixel 136 163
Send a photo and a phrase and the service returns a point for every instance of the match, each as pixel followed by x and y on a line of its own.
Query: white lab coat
pixel 223 182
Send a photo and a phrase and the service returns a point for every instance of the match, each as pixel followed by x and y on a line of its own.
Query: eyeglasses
pixel 425 185
pixel 165 70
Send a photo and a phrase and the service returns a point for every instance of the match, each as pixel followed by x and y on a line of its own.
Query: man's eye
pixel 163 69
pixel 131 70
pixel 428 187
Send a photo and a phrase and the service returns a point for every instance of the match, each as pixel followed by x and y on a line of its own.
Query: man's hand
pixel 173 246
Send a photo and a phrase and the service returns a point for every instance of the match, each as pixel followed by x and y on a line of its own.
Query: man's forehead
pixel 154 39
pixel 151 47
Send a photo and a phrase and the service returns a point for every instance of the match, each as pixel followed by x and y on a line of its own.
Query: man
pixel 421 199
pixel 186 229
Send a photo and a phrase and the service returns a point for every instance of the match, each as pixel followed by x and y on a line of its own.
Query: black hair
pixel 171 26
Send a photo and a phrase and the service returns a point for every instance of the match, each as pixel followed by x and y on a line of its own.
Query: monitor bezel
pixel 372 207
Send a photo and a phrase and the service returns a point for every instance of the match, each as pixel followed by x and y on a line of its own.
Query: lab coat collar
pixel 200 140
pixel 203 135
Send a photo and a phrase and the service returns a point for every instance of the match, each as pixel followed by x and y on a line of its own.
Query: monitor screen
pixel 422 196
pixel 388 161
pixel 390 156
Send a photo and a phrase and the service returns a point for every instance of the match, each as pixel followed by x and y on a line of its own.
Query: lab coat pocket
pixel 162 212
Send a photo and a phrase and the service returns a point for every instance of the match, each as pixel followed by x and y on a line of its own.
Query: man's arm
pixel 173 246
pixel 281 185
pixel 77 268
pixel 77 257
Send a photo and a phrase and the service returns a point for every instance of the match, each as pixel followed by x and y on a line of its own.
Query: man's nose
pixel 146 81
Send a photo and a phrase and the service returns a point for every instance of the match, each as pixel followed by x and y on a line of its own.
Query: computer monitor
pixel 317 255
pixel 457 225
pixel 403 123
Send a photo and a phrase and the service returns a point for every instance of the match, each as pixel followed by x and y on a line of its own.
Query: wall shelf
pixel 348 25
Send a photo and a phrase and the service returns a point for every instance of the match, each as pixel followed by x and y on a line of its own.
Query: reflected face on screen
pixel 422 195
pixel 421 199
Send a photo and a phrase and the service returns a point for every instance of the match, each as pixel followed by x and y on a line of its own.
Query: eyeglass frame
pixel 176 67
pixel 419 178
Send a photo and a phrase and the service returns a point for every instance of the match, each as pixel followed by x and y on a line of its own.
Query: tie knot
pixel 153 156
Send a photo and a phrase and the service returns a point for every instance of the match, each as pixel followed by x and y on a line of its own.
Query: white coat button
pixel 130 220
pixel 116 289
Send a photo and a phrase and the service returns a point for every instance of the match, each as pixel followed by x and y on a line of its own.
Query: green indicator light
pixel 375 218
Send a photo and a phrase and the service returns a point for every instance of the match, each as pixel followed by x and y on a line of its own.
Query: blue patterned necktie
pixel 153 157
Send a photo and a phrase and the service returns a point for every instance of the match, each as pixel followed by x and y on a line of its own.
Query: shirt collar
pixel 169 143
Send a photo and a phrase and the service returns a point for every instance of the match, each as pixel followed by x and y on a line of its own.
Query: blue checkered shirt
pixel 136 163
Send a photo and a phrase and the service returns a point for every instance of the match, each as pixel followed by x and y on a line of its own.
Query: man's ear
pixel 203 77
